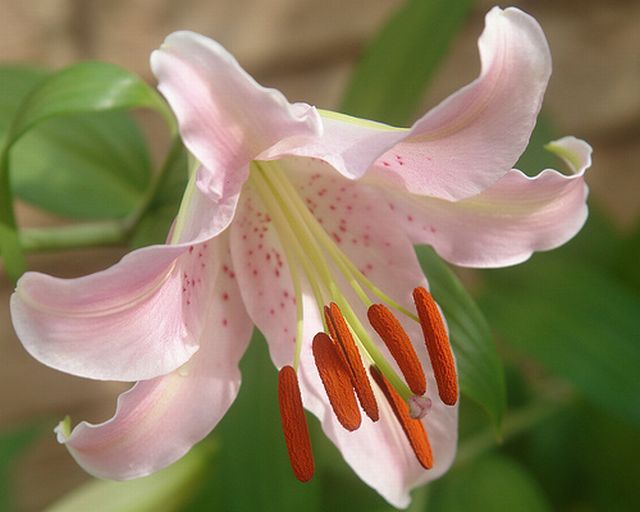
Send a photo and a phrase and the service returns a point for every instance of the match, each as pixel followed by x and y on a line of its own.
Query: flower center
pixel 345 350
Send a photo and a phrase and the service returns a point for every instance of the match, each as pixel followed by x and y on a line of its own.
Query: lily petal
pixel 159 420
pixel 356 218
pixel 507 222
pixel 264 276
pixel 466 143
pixel 226 118
pixel 134 321
pixel 473 137
pixel 378 452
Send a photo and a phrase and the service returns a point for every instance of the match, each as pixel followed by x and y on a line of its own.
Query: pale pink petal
pixel 226 119
pixel 159 420
pixel 475 136
pixel 263 275
pixel 506 223
pixel 356 218
pixel 466 143
pixel 137 320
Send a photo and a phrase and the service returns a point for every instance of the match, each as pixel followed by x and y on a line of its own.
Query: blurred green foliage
pixel 565 322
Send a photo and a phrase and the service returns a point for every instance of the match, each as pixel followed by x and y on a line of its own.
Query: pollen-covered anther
pixel 397 341
pixel 438 346
pixel 413 428
pixel 294 425
pixel 342 335
pixel 337 381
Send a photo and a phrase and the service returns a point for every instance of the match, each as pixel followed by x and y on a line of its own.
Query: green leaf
pixel 578 322
pixel 79 89
pixel 85 87
pixel 16 82
pixel 481 372
pixel 163 491
pixel 257 474
pixel 491 483
pixel 12 444
pixel 390 80
pixel 89 166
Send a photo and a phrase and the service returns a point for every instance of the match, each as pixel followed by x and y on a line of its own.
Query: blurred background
pixel 308 49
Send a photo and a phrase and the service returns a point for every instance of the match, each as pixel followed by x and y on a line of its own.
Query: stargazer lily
pixel 302 222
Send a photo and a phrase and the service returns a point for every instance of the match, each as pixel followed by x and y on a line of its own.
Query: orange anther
pixel 399 344
pixel 437 341
pixel 351 355
pixel 413 429
pixel 294 425
pixel 337 381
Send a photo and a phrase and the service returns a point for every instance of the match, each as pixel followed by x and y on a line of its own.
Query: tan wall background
pixel 307 49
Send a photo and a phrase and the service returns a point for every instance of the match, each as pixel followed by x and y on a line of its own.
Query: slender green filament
pixel 301 233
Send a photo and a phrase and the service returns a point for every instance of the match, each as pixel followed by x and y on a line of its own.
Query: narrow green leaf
pixel 481 372
pixel 491 483
pixel 578 322
pixel 390 80
pixel 257 474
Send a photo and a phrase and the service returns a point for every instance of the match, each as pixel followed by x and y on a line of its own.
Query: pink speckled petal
pixel 159 420
pixel 466 143
pixel 225 117
pixel 506 223
pixel 136 320
pixel 356 218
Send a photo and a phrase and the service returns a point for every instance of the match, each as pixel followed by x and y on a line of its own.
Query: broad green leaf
pixel 578 322
pixel 490 484
pixel 257 474
pixel 395 69
pixel 12 444
pixel 584 456
pixel 90 166
pixel 481 373
pixel 16 82
pixel 79 89
pixel 164 491
pixel 85 87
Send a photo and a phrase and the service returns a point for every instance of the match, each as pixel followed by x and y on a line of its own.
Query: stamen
pixel 337 381
pixel 399 344
pixel 351 354
pixel 413 429
pixel 438 346
pixel 294 425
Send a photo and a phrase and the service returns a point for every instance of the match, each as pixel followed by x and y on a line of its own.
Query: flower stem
pixel 75 236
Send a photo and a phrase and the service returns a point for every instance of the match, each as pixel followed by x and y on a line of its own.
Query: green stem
pixel 76 236
pixel 10 250
pixel 91 234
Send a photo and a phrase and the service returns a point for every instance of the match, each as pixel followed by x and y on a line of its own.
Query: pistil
pixel 413 428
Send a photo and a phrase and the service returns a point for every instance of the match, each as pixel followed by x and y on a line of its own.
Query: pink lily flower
pixel 297 221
